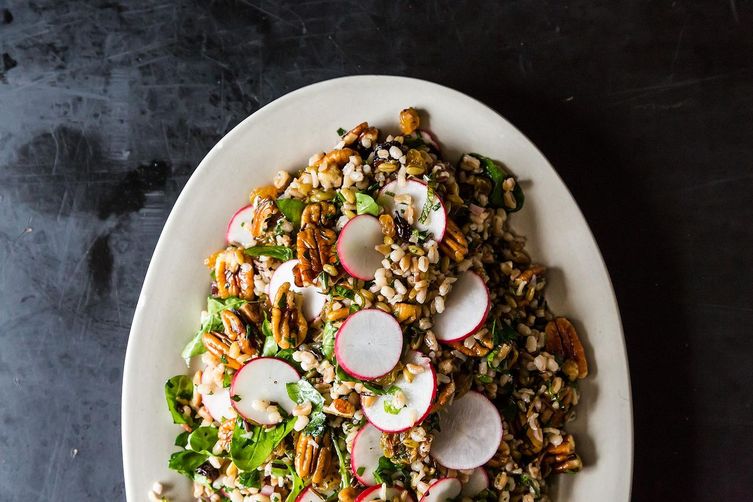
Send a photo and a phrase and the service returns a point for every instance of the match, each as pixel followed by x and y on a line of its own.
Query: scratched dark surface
pixel 644 108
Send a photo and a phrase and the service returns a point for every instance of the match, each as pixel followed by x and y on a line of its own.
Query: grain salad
pixel 375 330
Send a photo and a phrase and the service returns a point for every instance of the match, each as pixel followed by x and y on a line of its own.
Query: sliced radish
pixel 262 379
pixel 382 492
pixel 470 430
pixel 308 495
pixel 477 483
pixel 419 395
pixel 465 309
pixel 429 138
pixel 313 299
pixel 238 229
pixel 365 454
pixel 436 218
pixel 442 490
pixel 218 402
pixel 368 344
pixel 355 246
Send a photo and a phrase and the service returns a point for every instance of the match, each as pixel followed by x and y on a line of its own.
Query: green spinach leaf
pixel 365 204
pixel 250 479
pixel 211 322
pixel 182 439
pixel 249 450
pixel 302 391
pixel 186 462
pixel 203 439
pixel 179 391
pixel 292 209
pixel 281 253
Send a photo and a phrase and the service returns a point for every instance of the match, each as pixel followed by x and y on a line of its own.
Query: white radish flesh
pixel 262 379
pixel 217 402
pixel 442 490
pixel 470 430
pixel 477 483
pixel 308 495
pixel 382 492
pixel 355 246
pixel 419 395
pixel 368 344
pixel 313 299
pixel 239 227
pixel 465 310
pixel 365 454
pixel 435 221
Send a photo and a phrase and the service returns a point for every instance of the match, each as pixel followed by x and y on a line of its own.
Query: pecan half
pixel 562 340
pixel 218 348
pixel 454 243
pixel 313 457
pixel 314 249
pixel 263 208
pixel 235 330
pixel 351 136
pixel 318 213
pixel 337 158
pixel 233 274
pixel 289 326
pixel 562 458
pixel 341 408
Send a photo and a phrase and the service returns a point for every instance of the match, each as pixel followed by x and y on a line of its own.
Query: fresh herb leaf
pixel 211 322
pixel 484 378
pixel 203 439
pixel 186 462
pixel 503 332
pixel 341 132
pixel 360 470
pixel 365 204
pixel 343 292
pixel 292 209
pixel 236 398
pixel 413 141
pixel 302 391
pixel 386 471
pixel 430 204
pixel 498 176
pixel 251 479
pixel 389 406
pixel 419 236
pixel 344 470
pixel 249 450
pixel 278 227
pixel 182 439
pixel 179 391
pixel 328 340
pixel 227 379
pixel 281 253
pixel 270 347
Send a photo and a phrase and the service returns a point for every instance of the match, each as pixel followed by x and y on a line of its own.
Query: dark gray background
pixel 644 108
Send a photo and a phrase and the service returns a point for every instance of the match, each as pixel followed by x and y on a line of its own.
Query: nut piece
pixel 562 340
pixel 562 458
pixel 337 158
pixel 234 275
pixel 235 330
pixel 218 348
pixel 313 457
pixel 409 120
pixel 444 396
pixel 340 408
pixel 454 243
pixel 351 136
pixel 406 447
pixel 289 326
pixel 314 250
pixel 318 213
pixel 481 346
pixel 263 208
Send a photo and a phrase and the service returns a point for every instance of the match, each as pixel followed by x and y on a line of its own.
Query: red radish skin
pixel 373 494
pixel 466 309
pixel 437 220
pixel 217 403
pixel 470 430
pixel 442 490
pixel 263 379
pixel 477 483
pixel 308 495
pixel 237 228
pixel 355 246
pixel 423 395
pixel 365 454
pixel 368 344
pixel 313 299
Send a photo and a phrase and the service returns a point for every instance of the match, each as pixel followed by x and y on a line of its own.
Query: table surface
pixel 645 109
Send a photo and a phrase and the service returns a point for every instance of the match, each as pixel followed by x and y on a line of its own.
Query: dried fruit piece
pixel 388 225
pixel 409 120
pixel 289 326
pixel 562 340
